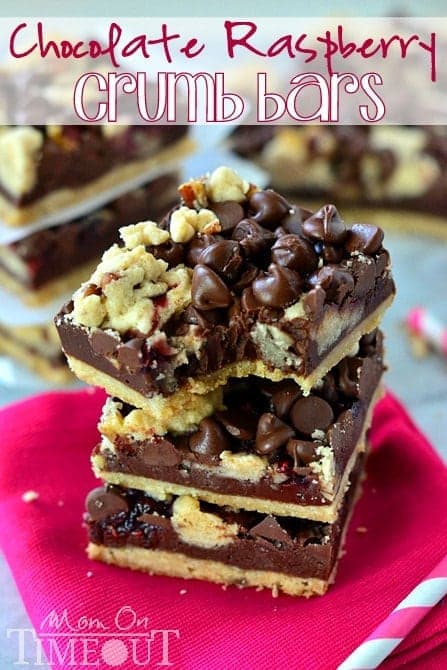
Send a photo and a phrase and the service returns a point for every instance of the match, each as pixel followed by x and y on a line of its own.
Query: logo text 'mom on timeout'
pixel 90 642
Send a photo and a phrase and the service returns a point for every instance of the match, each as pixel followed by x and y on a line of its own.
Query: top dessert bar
pixel 234 281
pixel 397 166
pixel 46 168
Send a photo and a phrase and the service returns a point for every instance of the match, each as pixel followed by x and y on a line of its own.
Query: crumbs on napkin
pixel 30 496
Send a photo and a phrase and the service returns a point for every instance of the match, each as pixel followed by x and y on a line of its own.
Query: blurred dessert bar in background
pixel 44 169
pixel 401 167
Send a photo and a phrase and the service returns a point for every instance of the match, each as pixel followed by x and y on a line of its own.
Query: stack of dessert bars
pixel 238 343
pixel 46 174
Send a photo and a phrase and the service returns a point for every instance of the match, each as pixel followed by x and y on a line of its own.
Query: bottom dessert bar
pixel 37 348
pixel 191 539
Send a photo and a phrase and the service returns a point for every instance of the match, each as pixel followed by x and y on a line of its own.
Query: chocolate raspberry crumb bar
pixel 40 266
pixel 46 168
pixel 183 537
pixel 398 167
pixel 235 281
pixel 270 449
pixel 38 348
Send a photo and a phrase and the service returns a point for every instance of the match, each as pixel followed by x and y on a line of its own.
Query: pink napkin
pixel 112 614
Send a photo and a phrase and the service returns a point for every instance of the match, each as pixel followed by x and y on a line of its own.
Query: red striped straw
pixel 390 633
pixel 422 323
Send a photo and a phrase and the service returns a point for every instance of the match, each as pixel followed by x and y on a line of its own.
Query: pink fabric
pixel 46 443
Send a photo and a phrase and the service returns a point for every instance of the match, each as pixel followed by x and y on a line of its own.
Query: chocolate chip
pixel 335 282
pixel 159 452
pixel 295 253
pixel 279 232
pixel 229 214
pixel 311 413
pixel 196 246
pixel 270 529
pixel 313 303
pixel 224 257
pixel 330 389
pixel 285 394
pixel 208 291
pixel 268 207
pixel 325 225
pixel 278 288
pixel 210 439
pixel 302 451
pixel 252 237
pixel 171 252
pixel 332 254
pixel 271 434
pixel 247 277
pixel 293 222
pixel 206 319
pixel 240 425
pixel 104 502
pixel 130 353
pixel 102 343
pixel 248 301
pixel 364 237
pixel 349 376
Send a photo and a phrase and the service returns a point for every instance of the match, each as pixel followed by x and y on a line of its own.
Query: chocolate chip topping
pixel 160 452
pixel 252 237
pixel 270 529
pixel 279 287
pixel 295 253
pixel 326 226
pixel 196 246
pixel 336 283
pixel 364 237
pixel 241 425
pixel 102 502
pixel 223 257
pixel 311 413
pixel 293 222
pixel 332 254
pixel 285 394
pixel 302 452
pixel 229 214
pixel 272 433
pixel 268 207
pixel 130 353
pixel 313 302
pixel 171 252
pixel 208 291
pixel 248 301
pixel 210 439
pixel 247 277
